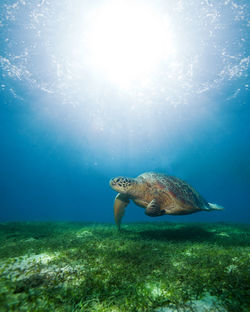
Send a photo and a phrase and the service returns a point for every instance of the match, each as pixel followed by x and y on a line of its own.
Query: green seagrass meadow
pixel 145 267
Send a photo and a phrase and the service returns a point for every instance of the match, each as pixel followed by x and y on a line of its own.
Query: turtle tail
pixel 215 206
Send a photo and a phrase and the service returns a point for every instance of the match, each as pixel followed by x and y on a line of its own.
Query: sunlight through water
pixel 122 79
pixel 128 40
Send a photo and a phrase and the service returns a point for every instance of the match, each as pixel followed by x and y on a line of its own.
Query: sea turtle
pixel 159 194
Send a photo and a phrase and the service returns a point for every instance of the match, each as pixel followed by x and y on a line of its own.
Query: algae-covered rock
pixel 206 304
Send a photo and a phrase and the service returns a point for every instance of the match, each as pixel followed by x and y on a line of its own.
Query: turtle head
pixel 123 185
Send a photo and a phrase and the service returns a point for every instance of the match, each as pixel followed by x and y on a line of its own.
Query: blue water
pixel 66 129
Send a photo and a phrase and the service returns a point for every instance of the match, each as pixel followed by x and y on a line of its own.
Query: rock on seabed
pixel 206 304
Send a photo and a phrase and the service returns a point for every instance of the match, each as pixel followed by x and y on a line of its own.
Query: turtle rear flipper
pixel 120 204
pixel 153 209
pixel 215 207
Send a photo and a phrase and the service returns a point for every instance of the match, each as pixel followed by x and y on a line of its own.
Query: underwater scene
pixel 124 156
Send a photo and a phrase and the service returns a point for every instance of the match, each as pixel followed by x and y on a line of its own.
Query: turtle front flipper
pixel 153 209
pixel 120 204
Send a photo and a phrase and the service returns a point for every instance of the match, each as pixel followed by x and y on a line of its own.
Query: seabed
pixel 146 267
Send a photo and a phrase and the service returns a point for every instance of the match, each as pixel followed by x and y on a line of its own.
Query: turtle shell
pixel 177 188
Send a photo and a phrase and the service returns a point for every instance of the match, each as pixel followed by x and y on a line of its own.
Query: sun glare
pixel 128 41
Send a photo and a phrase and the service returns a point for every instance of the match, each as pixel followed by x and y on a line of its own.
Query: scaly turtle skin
pixel 159 194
